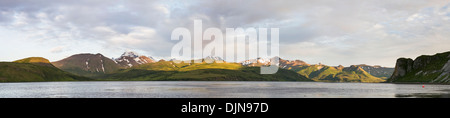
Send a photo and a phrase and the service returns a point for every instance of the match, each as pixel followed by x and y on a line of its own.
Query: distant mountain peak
pixel 130 59
pixel 267 61
pixel 210 59
pixel 340 67
pixel 87 64
pixel 362 65
pixel 354 68
pixel 214 58
pixel 130 54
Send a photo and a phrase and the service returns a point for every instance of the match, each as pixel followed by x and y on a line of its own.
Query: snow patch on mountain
pixel 130 54
pixel 87 64
pixel 130 59
pixel 263 61
pixel 214 58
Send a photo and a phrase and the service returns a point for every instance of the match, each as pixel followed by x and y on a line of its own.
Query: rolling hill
pixel 88 65
pixel 34 69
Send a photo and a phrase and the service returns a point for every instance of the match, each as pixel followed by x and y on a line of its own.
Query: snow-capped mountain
pixel 130 59
pixel 214 58
pixel 130 54
pixel 255 62
pixel 267 61
pixel 210 59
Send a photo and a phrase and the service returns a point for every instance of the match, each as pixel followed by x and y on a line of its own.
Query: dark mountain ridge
pixel 89 65
pixel 423 69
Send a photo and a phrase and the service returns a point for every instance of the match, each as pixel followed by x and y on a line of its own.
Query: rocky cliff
pixel 423 69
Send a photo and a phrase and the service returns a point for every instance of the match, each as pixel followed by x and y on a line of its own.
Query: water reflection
pixel 214 89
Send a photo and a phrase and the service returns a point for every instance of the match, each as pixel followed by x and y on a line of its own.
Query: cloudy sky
pixel 332 32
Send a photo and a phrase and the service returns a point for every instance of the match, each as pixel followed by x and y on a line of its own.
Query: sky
pixel 331 32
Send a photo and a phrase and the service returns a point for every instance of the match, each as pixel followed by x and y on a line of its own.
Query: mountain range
pixel 131 66
pixel 324 73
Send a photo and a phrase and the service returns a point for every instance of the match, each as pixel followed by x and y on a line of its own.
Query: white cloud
pixel 137 35
pixel 163 9
pixel 57 49
pixel 378 26
pixel 20 19
pixel 331 32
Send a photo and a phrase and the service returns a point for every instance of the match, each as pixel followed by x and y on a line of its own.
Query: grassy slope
pixel 28 72
pixel 33 60
pixel 331 74
pixel 357 76
pixel 167 70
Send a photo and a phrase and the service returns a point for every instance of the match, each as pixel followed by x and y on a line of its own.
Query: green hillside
pixel 335 74
pixel 168 71
pixel 33 60
pixel 34 70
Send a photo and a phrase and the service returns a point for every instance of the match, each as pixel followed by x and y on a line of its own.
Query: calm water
pixel 215 89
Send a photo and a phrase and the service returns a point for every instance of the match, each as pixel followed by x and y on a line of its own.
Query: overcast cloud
pixel 333 32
